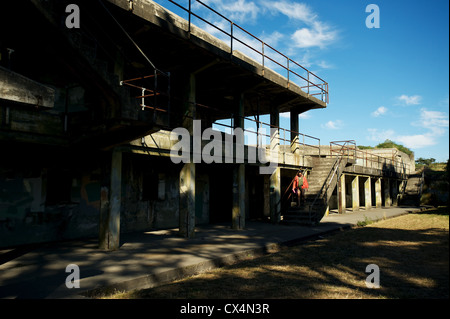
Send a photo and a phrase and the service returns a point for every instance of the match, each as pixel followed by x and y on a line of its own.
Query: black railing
pixel 309 82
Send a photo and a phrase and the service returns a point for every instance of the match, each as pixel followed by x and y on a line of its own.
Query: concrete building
pixel 91 94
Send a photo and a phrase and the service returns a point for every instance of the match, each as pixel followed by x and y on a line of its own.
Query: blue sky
pixel 390 82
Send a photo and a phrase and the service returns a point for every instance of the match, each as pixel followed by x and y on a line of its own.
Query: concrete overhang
pixel 221 71
pixel 18 88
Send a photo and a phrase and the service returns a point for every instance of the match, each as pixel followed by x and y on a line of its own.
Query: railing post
pixel 288 71
pixel 263 54
pixel 309 82
pixel 189 27
pixel 319 147
pixel 231 37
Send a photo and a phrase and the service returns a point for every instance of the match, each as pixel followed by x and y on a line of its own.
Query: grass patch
pixel 365 222
pixel 412 252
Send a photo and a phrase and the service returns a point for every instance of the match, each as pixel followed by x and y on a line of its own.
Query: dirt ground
pixel 411 251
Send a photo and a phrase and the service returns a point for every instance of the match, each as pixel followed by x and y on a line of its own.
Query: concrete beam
pixel 18 88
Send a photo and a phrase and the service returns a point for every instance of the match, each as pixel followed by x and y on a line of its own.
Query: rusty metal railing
pixel 311 83
pixel 368 159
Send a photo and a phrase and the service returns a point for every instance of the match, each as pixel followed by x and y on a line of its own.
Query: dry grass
pixel 411 251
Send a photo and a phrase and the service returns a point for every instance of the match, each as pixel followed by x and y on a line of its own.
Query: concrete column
pixel 110 202
pixel 341 195
pixel 266 190
pixel 187 173
pixel 394 193
pixel 275 178
pixel 355 193
pixel 187 201
pixel 238 212
pixel 378 198
pixel 387 193
pixel 295 139
pixel 368 193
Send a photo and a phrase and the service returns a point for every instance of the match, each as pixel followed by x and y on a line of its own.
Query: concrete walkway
pixel 152 258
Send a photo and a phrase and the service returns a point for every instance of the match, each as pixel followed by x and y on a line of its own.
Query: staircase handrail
pixel 328 180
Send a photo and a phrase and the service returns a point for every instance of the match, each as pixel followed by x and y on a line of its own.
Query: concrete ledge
pixel 18 88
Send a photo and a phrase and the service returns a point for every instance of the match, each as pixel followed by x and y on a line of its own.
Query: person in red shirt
pixel 299 187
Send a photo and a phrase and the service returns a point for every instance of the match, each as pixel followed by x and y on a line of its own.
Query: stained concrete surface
pixel 149 259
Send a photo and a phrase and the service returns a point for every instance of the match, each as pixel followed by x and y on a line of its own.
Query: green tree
pixel 425 161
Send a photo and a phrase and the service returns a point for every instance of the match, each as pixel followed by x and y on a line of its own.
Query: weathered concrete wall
pixel 26 216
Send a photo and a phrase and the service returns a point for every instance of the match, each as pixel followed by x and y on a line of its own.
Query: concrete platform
pixel 153 258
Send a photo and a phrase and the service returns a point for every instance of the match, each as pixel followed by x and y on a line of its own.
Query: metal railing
pixel 309 82
pixel 367 159
pixel 289 146
pixel 344 151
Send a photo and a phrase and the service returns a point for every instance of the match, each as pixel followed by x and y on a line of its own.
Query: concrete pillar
pixel 187 201
pixel 394 193
pixel 355 193
pixel 275 178
pixel 378 198
pixel 188 171
pixel 238 212
pixel 295 139
pixel 387 193
pixel 266 190
pixel 341 195
pixel 368 193
pixel 110 202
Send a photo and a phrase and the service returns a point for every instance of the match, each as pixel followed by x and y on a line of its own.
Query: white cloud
pixel 379 111
pixel 325 65
pixel 410 141
pixel 293 10
pixel 436 124
pixel 315 33
pixel 417 141
pixel 333 125
pixel 237 10
pixel 305 116
pixel 380 136
pixel 318 35
pixel 409 100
